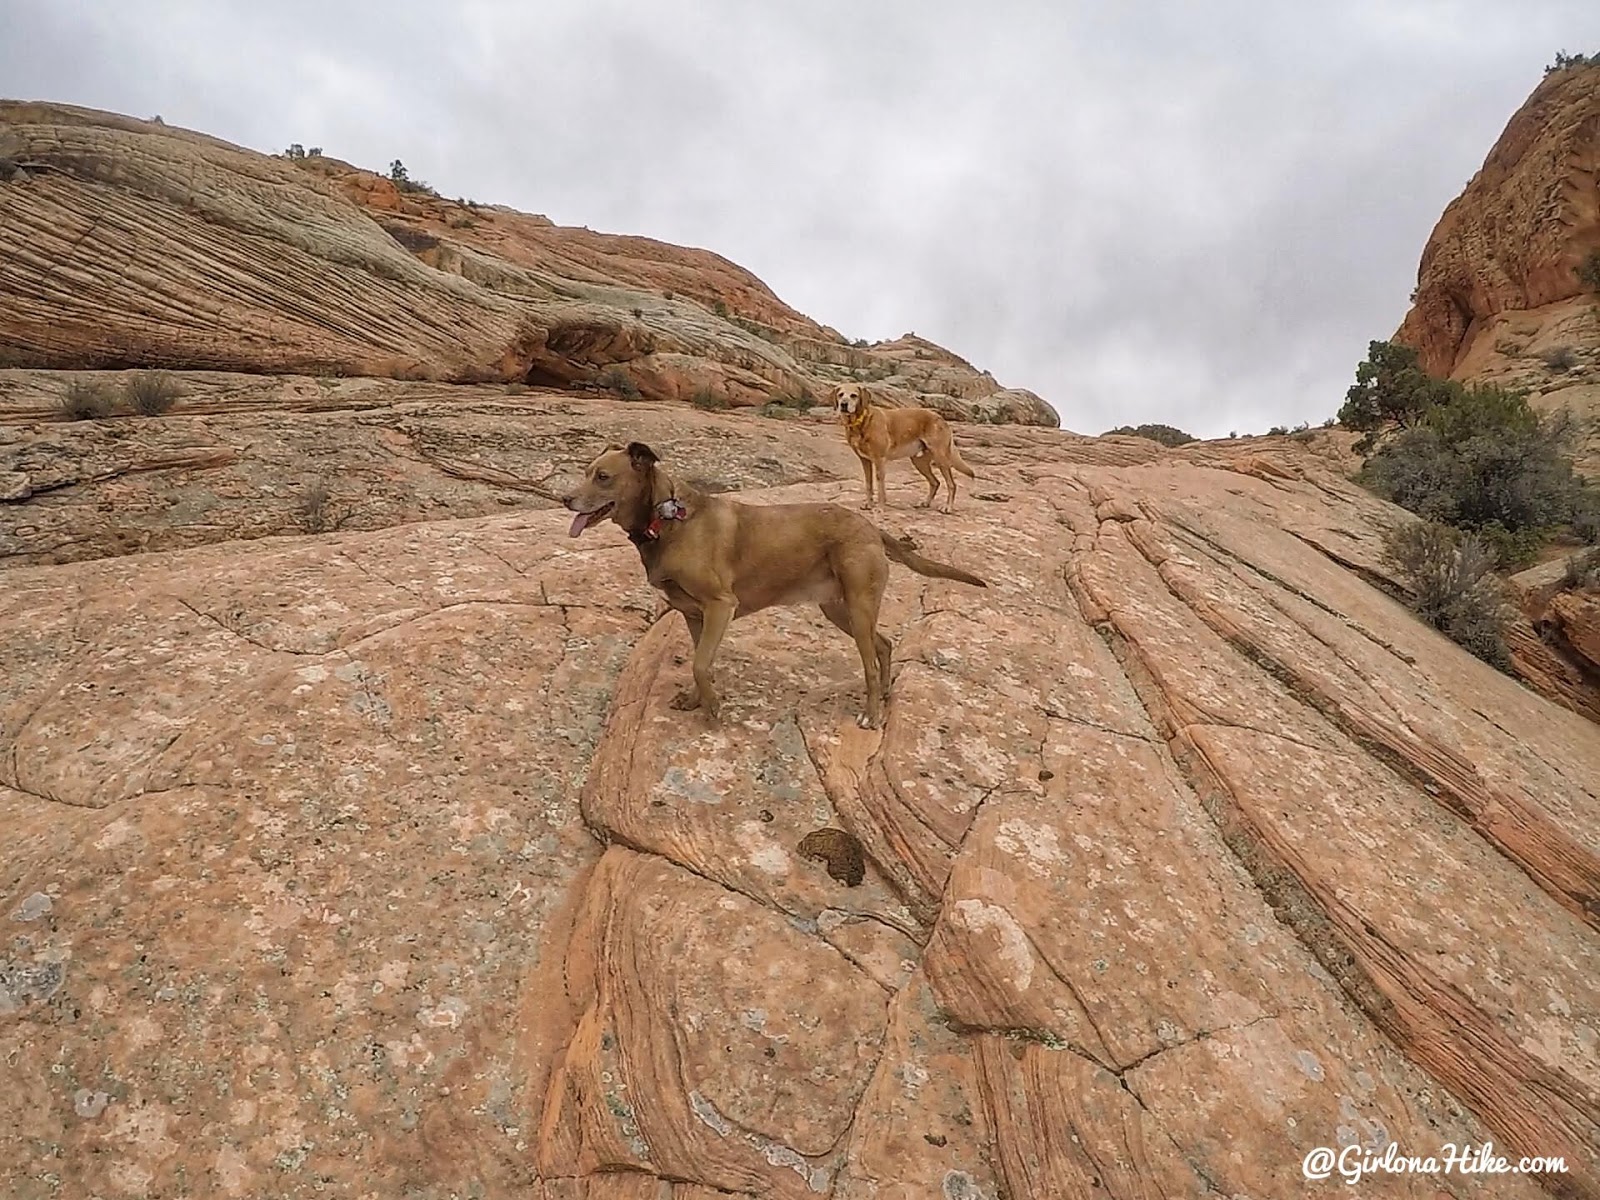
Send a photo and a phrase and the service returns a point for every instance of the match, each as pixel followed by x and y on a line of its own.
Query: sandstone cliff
pixel 132 243
pixel 376 863
pixel 1497 296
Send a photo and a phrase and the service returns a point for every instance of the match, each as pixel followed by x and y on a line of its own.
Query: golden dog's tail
pixel 907 557
pixel 960 463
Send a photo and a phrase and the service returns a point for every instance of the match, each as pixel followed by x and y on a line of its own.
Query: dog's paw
pixel 869 722
pixel 686 700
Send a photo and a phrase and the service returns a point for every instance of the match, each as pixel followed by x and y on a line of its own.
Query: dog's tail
pixel 907 557
pixel 960 463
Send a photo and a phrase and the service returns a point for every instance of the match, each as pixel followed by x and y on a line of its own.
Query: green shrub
pixel 1167 435
pixel 719 307
pixel 1452 586
pixel 1391 388
pixel 778 411
pixel 706 399
pixel 86 400
pixel 1485 461
pixel 1513 549
pixel 152 393
pixel 1278 431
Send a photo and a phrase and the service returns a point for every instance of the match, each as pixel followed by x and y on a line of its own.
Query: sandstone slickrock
pixel 376 863
pixel 133 243
pixel 245 457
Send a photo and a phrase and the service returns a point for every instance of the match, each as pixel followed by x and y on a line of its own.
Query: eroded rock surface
pixel 129 243
pixel 377 864
pixel 1498 298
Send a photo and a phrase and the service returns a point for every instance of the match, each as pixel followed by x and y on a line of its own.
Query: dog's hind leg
pixel 836 612
pixel 950 481
pixel 860 621
pixel 922 463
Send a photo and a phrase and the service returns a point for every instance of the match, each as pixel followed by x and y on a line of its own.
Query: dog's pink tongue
pixel 579 524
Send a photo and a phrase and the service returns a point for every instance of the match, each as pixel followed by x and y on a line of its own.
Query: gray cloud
pixel 1196 214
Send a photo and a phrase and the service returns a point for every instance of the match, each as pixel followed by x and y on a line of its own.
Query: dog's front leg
pixel 866 473
pixel 714 618
pixel 689 697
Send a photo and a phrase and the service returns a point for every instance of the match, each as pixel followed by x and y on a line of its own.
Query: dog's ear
pixel 641 456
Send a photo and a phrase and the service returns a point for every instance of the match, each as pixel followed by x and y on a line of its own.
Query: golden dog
pixel 879 434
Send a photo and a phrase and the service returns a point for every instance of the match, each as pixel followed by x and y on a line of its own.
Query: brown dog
pixel 716 559
pixel 880 434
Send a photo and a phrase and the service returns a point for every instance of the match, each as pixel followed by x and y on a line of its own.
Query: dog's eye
pixel 601 477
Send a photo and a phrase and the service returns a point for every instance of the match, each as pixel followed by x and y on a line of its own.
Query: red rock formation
pixel 1511 240
pixel 130 243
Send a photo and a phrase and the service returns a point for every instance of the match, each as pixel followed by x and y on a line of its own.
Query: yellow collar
pixel 856 419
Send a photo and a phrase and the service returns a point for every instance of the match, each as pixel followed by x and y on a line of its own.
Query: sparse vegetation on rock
pixel 316 509
pixel 86 400
pixel 1167 435
pixel 1450 577
pixel 616 379
pixel 1588 271
pixel 1560 358
pixel 708 400
pixel 1583 571
pixel 796 396
pixel 1564 61
pixel 151 393
pixel 401 178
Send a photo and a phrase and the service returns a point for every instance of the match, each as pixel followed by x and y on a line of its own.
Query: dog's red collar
pixel 671 509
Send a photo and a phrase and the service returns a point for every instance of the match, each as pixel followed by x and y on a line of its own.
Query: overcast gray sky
pixel 1180 212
